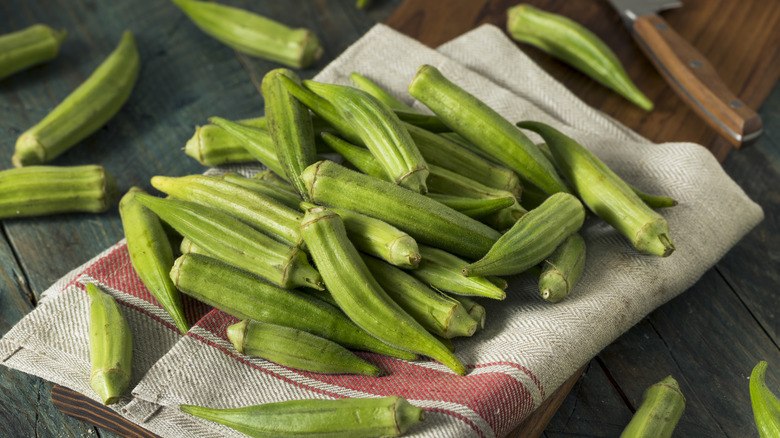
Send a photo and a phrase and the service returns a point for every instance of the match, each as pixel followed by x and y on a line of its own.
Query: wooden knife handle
pixel 696 81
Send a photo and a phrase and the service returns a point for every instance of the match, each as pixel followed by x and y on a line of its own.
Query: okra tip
pixel 28 151
pixel 407 415
pixel 236 334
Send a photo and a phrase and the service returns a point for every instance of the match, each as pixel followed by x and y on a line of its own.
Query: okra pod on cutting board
pixel 342 418
pixel 45 190
pixel 85 110
pixel 28 47
pixel 605 193
pixel 247 296
pixel 296 349
pixel 360 296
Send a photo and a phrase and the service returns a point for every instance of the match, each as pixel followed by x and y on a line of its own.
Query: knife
pixel 689 73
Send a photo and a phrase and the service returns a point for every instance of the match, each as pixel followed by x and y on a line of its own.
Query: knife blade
pixel 688 72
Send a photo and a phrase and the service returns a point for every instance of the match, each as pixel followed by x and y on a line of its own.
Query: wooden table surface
pixel 709 338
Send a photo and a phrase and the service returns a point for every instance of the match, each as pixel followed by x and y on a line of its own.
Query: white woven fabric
pixel 528 347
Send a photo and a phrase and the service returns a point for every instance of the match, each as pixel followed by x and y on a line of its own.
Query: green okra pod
pixel 485 128
pixel 290 126
pixel 246 296
pixel 227 238
pixel 296 349
pixel 45 190
pixel 562 270
pixel 257 142
pixel 657 416
pixel 110 346
pixel 151 255
pixel 254 34
pixel 474 207
pixel 439 314
pixel 475 310
pixel 211 145
pixel 654 201
pixel 357 156
pixel 359 295
pixel 286 196
pixel 425 219
pixel 343 418
pixel 261 212
pixel 575 45
pixel 187 247
pixel 606 194
pixel 378 92
pixel 381 131
pixel 28 47
pixel 85 110
pixel 378 238
pixel 533 238
pixel 766 405
pixel 442 271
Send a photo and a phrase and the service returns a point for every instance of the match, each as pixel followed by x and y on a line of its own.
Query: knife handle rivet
pixel 735 104
pixel 660 26
pixel 695 64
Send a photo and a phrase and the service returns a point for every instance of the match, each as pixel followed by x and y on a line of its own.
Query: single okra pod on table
pixel 261 212
pixel 343 418
pixel 533 238
pixel 151 255
pixel 110 346
pixel 290 126
pixel 575 45
pixel 766 405
pixel 254 34
pixel 85 110
pixel 28 47
pixel 360 296
pixel 256 141
pixel 296 349
pixel 286 196
pixel 442 271
pixel 211 145
pixel 476 208
pixel 606 194
pixel 562 270
pixel 247 296
pixel 227 238
pixel 44 190
pixel 439 314
pixel 378 238
pixel 423 218
pixel 657 416
pixel 381 131
pixel 485 128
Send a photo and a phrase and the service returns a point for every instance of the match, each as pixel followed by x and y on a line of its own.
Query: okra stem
pixel 27 47
pixel 661 408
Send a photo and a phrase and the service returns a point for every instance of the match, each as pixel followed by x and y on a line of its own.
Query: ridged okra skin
pixel 439 314
pixel 85 110
pixel 227 238
pixel 475 208
pixel 377 238
pixel 766 405
pixel 381 131
pixel 110 346
pixel 442 271
pixel 342 418
pixel 27 47
pixel 290 126
pixel 254 34
pixel 247 296
pixel 44 190
pixel 662 406
pixel 378 92
pixel 286 196
pixel 296 349
pixel 261 212
pixel 533 238
pixel 360 296
pixel 562 270
pixel 151 255
pixel 211 145
pixel 257 142
pixel 575 45
pixel 485 128
pixel 606 194
pixel 423 218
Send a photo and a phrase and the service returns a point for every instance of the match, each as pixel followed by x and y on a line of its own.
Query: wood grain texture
pixel 738 38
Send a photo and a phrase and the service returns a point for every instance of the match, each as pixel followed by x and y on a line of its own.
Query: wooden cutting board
pixel 739 38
